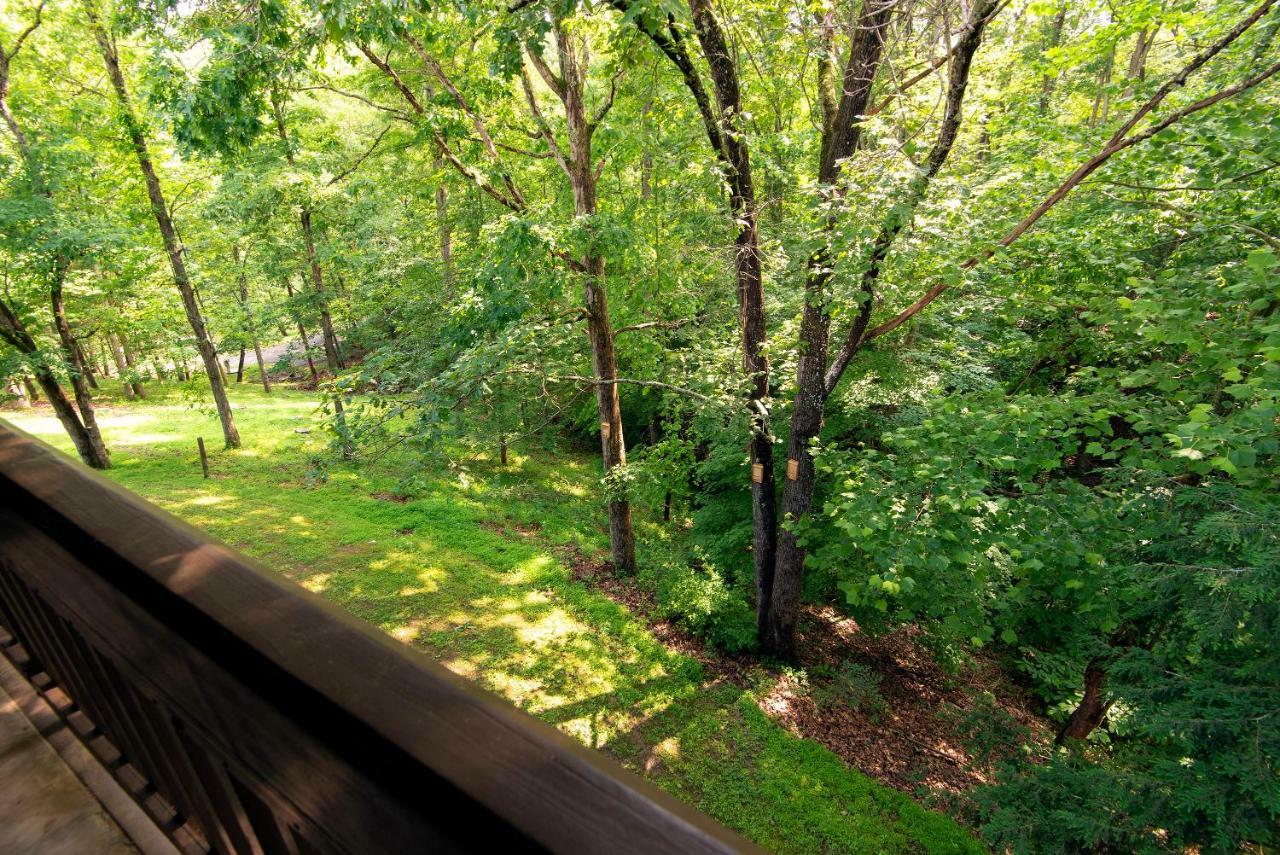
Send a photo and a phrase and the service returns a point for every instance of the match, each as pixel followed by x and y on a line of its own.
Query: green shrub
pixel 699 600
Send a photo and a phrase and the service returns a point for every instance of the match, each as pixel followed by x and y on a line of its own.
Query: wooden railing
pixel 248 715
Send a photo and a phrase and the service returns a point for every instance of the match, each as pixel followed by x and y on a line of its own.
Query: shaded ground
pixel 473 564
pixel 905 725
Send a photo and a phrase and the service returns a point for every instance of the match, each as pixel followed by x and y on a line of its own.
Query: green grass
pixel 469 570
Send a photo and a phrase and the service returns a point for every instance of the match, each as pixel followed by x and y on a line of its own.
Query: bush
pixel 699 600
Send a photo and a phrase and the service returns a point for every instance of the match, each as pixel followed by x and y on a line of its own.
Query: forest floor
pixel 498 573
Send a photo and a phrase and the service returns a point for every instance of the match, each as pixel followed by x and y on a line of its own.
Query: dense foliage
pixel 956 314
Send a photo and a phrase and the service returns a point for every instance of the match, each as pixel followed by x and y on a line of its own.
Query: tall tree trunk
pixel 240 366
pixel 840 140
pixel 88 444
pixel 816 379
pixel 580 168
pixel 1052 39
pixel 252 324
pixel 444 227
pixel 723 123
pixel 1102 92
pixel 160 210
pixel 168 233
pixel 332 355
pixel 1138 59
pixel 131 363
pixel 33 394
pixel 82 360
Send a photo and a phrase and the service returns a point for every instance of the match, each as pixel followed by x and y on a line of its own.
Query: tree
pixel 164 221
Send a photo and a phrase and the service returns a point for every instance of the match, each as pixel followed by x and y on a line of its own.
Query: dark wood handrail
pixel 262 718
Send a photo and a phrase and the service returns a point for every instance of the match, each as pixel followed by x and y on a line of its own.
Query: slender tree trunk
pixel 252 325
pixel 240 366
pixel 1053 38
pixel 333 356
pixel 443 226
pixel 1138 59
pixel 168 234
pixel 131 363
pixel 306 340
pixel 580 168
pixel 654 437
pixel 724 132
pixel 82 360
pixel 33 394
pixel 117 352
pixel 104 357
pixel 15 333
pixel 77 370
pixel 1102 92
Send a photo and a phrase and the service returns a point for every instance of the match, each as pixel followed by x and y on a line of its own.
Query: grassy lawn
pixel 469 569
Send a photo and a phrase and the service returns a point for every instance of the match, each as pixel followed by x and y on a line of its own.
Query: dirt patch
pixel 395 498
pixel 905 736
pixel 910 736
pixel 510 527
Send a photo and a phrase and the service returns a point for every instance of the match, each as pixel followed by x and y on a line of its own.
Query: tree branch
pixel 361 159
pixel 1118 142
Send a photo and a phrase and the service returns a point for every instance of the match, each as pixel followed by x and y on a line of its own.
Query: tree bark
pixel 304 338
pixel 77 370
pixel 13 331
pixel 1092 709
pixel 117 353
pixel 160 210
pixel 578 165
pixel 726 135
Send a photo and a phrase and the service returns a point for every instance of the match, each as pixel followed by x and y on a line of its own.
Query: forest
pixel 860 417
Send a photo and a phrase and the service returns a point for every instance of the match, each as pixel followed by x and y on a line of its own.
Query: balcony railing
pixel 248 715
